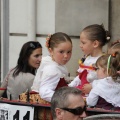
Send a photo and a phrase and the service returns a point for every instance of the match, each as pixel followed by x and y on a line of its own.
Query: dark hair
pixel 97 32
pixel 113 66
pixel 58 38
pixel 22 63
pixel 60 98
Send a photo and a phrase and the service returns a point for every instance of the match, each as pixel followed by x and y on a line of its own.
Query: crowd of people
pixel 98 78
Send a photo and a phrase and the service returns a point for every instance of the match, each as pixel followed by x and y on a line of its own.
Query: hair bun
pixel 108 38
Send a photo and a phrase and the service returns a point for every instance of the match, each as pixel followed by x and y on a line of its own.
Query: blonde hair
pixel 114 47
pixel 110 62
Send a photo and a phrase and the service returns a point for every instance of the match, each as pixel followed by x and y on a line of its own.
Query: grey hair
pixel 60 98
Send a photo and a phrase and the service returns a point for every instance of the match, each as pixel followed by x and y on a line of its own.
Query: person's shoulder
pixel 90 59
pixel 51 67
pixel 26 75
pixel 95 82
pixel 10 72
pixel 105 82
pixel 54 68
pixel 46 59
pixel 29 75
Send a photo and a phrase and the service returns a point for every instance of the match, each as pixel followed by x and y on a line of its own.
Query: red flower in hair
pixel 47 40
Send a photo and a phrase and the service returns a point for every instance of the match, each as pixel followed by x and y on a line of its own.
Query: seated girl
pixel 105 92
pixel 113 47
pixel 52 73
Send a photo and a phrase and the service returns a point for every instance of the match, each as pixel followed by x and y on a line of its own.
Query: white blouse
pixel 105 88
pixel 92 75
pixel 47 77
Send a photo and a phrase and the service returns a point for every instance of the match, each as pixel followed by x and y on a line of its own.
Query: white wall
pixel 45 24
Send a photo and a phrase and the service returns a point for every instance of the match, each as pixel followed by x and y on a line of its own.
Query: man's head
pixel 68 104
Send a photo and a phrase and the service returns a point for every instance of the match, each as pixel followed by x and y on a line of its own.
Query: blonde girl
pixel 105 92
pixel 114 47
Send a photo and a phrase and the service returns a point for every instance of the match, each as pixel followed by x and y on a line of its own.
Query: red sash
pixel 61 83
pixel 83 78
pixel 86 67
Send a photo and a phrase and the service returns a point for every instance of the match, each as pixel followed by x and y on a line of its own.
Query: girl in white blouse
pixel 92 40
pixel 105 92
pixel 52 73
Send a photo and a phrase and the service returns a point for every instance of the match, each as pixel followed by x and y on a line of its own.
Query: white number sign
pixel 16 112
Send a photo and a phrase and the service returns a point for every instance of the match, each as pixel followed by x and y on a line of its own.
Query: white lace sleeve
pixel 49 82
pixel 91 76
pixel 94 83
pixel 92 99
pixel 47 87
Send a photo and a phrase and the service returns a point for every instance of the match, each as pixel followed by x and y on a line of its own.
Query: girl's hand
pixel 86 88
